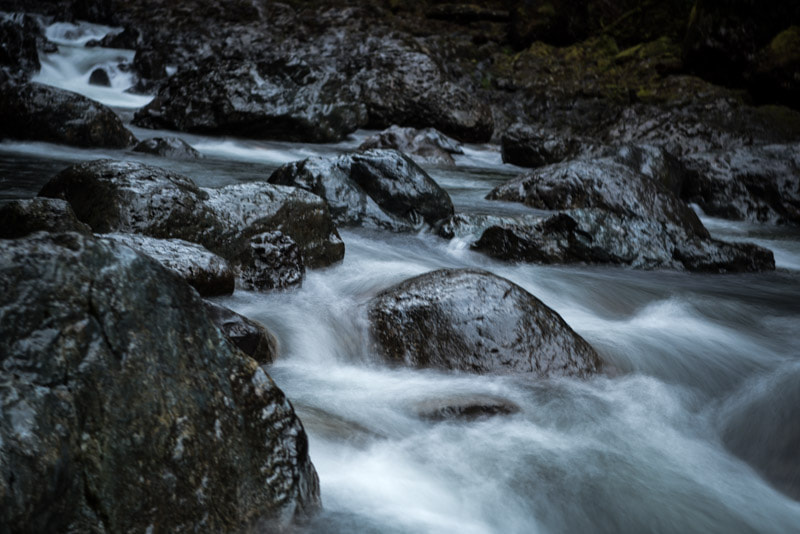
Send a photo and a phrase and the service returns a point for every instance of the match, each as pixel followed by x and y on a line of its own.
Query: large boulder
pixel 131 197
pixel 378 188
pixel 249 336
pixel 755 183
pixel 209 274
pixel 279 99
pixel 528 147
pixel 611 213
pixel 168 147
pixel 125 409
pixel 19 218
pixel 423 146
pixel 37 112
pixel 474 321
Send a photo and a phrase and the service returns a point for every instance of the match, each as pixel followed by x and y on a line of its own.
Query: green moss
pixel 785 47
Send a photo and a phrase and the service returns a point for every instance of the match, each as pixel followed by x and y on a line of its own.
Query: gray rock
pixel 528 147
pixel 477 322
pixel 124 407
pixel 248 336
pixel 423 146
pixel 22 217
pixel 376 188
pixel 168 147
pixel 271 261
pixel 209 274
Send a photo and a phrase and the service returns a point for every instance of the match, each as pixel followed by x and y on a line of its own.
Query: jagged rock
pixel 209 274
pixel 168 147
pixel 423 146
pixel 475 321
pixel 378 188
pixel 130 197
pixel 271 261
pixel 22 217
pixel 465 407
pixel 611 213
pixel 99 77
pixel 43 113
pixel 124 407
pixel 756 183
pixel 528 147
pixel 248 336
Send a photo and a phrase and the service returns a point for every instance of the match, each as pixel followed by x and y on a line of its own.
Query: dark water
pixel 708 373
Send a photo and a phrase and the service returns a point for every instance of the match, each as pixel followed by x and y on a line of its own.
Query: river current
pixel 707 380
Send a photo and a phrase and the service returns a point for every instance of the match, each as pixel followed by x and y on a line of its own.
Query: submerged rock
pixel 99 77
pixel 377 188
pixel 610 213
pixel 39 112
pixel 168 147
pixel 475 321
pixel 19 218
pixel 465 407
pixel 755 183
pixel 209 274
pixel 248 336
pixel 124 407
pixel 423 146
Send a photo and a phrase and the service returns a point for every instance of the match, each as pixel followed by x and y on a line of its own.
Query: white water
pixel 71 67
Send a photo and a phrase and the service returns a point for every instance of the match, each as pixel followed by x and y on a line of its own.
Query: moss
pixel 785 47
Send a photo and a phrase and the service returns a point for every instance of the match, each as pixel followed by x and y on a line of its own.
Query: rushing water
pixel 704 362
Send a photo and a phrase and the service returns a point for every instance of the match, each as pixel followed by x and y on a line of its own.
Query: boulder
pixel 37 112
pixel 209 274
pixel 131 197
pixel 99 77
pixel 754 183
pixel 423 146
pixel 247 335
pixel 123 406
pixel 19 218
pixel 377 188
pixel 282 99
pixel 611 213
pixel 168 147
pixel 474 321
pixel 271 261
pixel 528 147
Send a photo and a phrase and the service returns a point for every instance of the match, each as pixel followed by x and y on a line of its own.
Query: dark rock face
pixel 756 183
pixel 611 214
pixel 279 99
pixel 18 36
pixel 465 407
pixel 22 217
pixel 525 146
pixel 775 71
pixel 423 146
pixel 42 113
pixel 248 336
pixel 168 147
pixel 86 448
pixel 128 197
pixel 477 322
pixel 378 188
pixel 654 162
pixel 99 77
pixel 271 261
pixel 209 274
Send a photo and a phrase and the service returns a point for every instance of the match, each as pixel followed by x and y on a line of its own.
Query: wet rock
pixel 19 218
pixel 209 274
pixel 528 147
pixel 19 57
pixel 99 77
pixel 168 147
pixel 474 321
pixel 150 64
pixel 465 407
pixel 127 39
pixel 39 112
pixel 378 188
pixel 87 448
pixel 423 146
pixel 271 261
pixel 610 213
pixel 755 183
pixel 282 99
pixel 130 197
pixel 247 335
pixel 654 162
